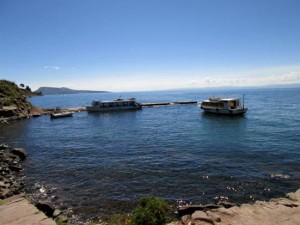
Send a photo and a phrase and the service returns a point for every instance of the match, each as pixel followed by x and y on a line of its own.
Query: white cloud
pixel 51 67
pixel 144 81
pixel 227 80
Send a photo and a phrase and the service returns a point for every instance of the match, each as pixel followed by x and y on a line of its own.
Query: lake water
pixel 104 162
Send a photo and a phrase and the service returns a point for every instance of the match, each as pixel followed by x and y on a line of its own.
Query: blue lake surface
pixel 104 162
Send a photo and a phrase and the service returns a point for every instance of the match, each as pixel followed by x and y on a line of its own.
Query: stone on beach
pixel 294 196
pixel 46 207
pixel 20 152
pixel 10 165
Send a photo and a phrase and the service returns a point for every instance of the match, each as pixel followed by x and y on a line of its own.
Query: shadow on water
pixel 114 113
pixel 222 116
pixel 225 120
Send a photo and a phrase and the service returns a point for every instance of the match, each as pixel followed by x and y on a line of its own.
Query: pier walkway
pixel 168 103
pixel 18 211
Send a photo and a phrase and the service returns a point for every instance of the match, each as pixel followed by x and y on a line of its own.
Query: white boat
pixel 114 105
pixel 61 114
pixel 230 106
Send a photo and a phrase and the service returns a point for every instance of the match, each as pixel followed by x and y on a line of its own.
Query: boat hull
pixel 109 109
pixel 60 115
pixel 240 111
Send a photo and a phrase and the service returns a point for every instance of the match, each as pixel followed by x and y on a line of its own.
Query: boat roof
pixel 218 99
pixel 116 100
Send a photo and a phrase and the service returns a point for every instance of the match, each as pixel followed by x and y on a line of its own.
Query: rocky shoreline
pixel 11 180
pixel 279 211
pixel 12 184
pixel 9 114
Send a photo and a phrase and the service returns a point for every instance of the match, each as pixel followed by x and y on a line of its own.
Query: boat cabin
pixel 223 106
pixel 230 103
pixel 117 104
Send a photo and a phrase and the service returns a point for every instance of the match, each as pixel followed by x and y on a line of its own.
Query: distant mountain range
pixel 63 90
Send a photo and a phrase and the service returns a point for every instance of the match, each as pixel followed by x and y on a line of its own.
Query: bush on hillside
pixel 9 89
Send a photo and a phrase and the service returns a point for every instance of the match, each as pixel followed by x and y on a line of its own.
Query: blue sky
pixel 131 45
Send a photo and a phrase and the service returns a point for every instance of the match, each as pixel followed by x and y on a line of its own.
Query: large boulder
pixel 20 152
pixel 46 207
pixel 8 111
pixel 294 196
pixel 3 146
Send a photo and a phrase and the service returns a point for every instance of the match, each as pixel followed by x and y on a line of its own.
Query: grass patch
pixel 61 223
pixel 1 202
pixel 120 219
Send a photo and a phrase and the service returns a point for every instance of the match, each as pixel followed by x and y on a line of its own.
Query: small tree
pixel 28 88
pixel 22 85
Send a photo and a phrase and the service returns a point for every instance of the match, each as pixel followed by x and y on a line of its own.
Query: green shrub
pixel 120 219
pixel 9 89
pixel 7 102
pixel 61 223
pixel 151 211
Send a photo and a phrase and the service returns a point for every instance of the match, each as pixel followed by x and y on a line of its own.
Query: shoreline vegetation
pixel 150 210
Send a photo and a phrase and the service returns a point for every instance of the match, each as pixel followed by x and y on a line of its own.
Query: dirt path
pixel 18 211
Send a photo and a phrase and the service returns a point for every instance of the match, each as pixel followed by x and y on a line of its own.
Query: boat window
pixel 213 104
pixel 232 104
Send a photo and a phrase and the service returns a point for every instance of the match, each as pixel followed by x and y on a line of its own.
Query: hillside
pixel 13 103
pixel 63 90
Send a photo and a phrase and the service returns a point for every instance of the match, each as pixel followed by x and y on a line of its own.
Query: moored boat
pixel 228 106
pixel 61 114
pixel 114 105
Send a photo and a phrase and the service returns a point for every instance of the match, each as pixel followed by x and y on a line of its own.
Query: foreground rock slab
pixel 18 211
pixel 280 211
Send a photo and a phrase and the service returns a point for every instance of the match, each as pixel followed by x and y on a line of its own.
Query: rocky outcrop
pixel 280 211
pixel 10 167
